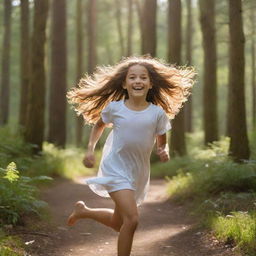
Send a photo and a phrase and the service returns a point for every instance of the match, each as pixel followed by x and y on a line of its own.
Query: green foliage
pixel 13 148
pixel 237 227
pixel 223 192
pixel 10 246
pixel 18 195
pixel 59 162
pixel 52 161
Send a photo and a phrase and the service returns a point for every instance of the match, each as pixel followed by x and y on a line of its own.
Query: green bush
pixel 18 195
pixel 238 228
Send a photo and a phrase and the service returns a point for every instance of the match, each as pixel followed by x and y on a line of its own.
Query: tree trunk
pixel 149 27
pixel 129 28
pixel 57 109
pixel 5 76
pixel 34 130
pixel 79 64
pixel 178 145
pixel 24 60
pixel 239 145
pixel 140 18
pixel 253 70
pixel 119 27
pixel 207 20
pixel 189 35
pixel 92 40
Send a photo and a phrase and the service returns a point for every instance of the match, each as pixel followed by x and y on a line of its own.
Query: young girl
pixel 137 96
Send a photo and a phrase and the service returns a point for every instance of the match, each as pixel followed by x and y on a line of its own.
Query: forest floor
pixel 165 229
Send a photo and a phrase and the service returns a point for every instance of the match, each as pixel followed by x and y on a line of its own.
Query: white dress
pixel 125 163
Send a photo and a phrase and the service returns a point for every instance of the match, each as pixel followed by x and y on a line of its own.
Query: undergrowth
pixel 223 192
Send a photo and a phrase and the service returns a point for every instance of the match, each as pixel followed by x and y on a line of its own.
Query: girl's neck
pixel 136 104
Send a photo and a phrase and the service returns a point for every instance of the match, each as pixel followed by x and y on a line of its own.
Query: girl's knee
pixel 132 221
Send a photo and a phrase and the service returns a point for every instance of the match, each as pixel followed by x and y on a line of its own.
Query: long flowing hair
pixel 171 87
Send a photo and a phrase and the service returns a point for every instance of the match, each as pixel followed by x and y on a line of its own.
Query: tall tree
pixel 178 145
pixel 119 26
pixel 189 37
pixel 92 32
pixel 24 60
pixel 253 79
pixel 5 77
pixel 58 83
pixel 149 27
pixel 34 129
pixel 79 62
pixel 210 120
pixel 129 28
pixel 239 145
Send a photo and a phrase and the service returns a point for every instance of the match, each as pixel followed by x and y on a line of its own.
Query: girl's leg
pixel 126 203
pixel 108 217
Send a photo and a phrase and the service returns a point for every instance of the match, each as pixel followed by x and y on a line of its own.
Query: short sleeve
pixel 163 124
pixel 106 114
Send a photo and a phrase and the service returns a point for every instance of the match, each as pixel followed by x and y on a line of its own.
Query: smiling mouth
pixel 137 88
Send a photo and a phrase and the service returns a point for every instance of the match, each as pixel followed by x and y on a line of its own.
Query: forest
pixel 47 46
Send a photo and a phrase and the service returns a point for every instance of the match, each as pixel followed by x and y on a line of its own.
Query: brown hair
pixel 171 87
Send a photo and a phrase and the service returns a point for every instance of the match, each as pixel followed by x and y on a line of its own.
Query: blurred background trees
pixel 45 53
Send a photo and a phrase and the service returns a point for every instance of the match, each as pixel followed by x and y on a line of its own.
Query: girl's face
pixel 137 82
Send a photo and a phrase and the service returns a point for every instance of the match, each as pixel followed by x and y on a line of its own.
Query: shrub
pixel 18 195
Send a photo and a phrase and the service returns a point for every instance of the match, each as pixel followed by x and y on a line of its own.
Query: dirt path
pixel 165 229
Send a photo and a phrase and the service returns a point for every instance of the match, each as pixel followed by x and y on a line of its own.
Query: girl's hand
pixel 163 153
pixel 89 159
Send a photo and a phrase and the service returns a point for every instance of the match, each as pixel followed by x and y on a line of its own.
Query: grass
pixel 223 192
pixel 21 174
pixel 10 245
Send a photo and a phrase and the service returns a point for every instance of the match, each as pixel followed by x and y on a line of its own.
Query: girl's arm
pixel 95 134
pixel 162 147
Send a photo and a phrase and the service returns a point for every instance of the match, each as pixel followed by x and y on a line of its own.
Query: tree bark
pixel 5 77
pixel 189 36
pixel 58 83
pixel 92 39
pixel 253 78
pixel 24 60
pixel 210 121
pixel 149 27
pixel 178 144
pixel 34 130
pixel 79 64
pixel 239 145
pixel 129 28
pixel 119 27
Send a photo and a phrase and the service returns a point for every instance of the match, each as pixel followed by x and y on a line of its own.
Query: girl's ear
pixel 124 85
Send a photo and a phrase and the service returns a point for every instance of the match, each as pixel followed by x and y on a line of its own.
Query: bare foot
pixel 80 211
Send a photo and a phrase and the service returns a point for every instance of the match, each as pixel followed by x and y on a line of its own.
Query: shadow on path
pixel 165 228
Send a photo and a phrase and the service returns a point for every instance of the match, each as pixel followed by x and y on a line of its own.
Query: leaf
pixel 12 174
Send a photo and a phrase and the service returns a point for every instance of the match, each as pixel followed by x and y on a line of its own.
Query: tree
pixel 24 60
pixel 253 78
pixel 57 109
pixel 34 129
pixel 92 38
pixel 129 28
pixel 149 27
pixel 189 36
pixel 119 26
pixel 178 145
pixel 5 77
pixel 210 120
pixel 239 145
pixel 79 63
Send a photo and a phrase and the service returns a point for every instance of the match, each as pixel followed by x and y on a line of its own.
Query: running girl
pixel 137 96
